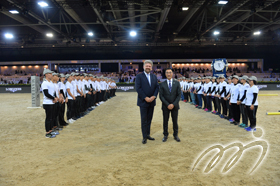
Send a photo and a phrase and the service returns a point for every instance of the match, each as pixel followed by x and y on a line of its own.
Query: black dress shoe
pixel 144 141
pixel 150 138
pixel 177 138
pixel 164 139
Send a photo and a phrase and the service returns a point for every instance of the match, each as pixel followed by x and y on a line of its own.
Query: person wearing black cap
pixel 252 103
pixel 48 102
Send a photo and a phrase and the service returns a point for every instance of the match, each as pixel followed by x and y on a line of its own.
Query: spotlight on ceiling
pixel 185 8
pixel 133 33
pixel 216 33
pixel 257 33
pixel 90 34
pixel 49 35
pixel 14 11
pixel 9 36
pixel 43 4
pixel 222 2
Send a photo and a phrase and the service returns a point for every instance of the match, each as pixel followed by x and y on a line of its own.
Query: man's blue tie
pixel 169 86
pixel 148 76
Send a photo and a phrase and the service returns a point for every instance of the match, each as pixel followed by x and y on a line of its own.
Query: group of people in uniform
pixel 229 99
pixel 81 92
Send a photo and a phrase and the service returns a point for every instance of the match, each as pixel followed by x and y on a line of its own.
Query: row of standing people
pixel 81 92
pixel 229 100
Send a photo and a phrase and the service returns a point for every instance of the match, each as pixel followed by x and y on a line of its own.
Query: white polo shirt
pixel 250 96
pixel 48 85
pixel 71 88
pixel 212 88
pixel 241 91
pixel 234 92
pixel 221 87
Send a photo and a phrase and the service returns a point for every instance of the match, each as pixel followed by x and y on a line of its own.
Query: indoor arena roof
pixel 60 23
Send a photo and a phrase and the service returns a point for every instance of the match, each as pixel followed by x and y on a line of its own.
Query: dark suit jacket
pixel 144 89
pixel 168 97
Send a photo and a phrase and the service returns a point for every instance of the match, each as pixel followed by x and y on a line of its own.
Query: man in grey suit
pixel 170 94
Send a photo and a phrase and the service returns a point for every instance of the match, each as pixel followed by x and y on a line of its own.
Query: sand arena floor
pixel 104 148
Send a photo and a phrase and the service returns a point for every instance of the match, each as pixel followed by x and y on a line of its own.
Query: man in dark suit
pixel 170 94
pixel 146 85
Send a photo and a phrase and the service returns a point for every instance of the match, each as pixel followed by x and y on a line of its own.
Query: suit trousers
pixel 146 120
pixel 174 115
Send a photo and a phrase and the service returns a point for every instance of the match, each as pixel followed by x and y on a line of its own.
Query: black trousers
pixel 146 120
pixel 204 101
pixel 244 114
pixel 209 103
pixel 77 106
pixel 224 105
pixel 252 116
pixel 186 96
pixel 174 115
pixel 214 103
pixel 61 113
pixel 88 101
pixel 97 97
pixel 49 117
pixel 230 113
pixel 70 109
pixel 218 102
pixel 236 112
pixel 196 99
pixel 93 100
pixel 101 96
pixel 55 114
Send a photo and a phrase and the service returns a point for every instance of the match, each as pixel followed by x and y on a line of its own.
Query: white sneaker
pixel 69 121
pixel 72 120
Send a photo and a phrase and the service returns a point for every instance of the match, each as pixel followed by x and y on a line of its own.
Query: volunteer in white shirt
pixel 55 79
pixel 207 93
pixel 226 98
pixel 234 96
pixel 48 102
pixel 71 98
pixel 62 89
pixel 241 102
pixel 252 103
pixel 198 93
pixel 217 97
pixel 213 90
pixel 222 89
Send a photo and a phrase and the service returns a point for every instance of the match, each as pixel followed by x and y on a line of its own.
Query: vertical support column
pixel 35 91
pixel 99 66
pixel 170 64
pixel 119 67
